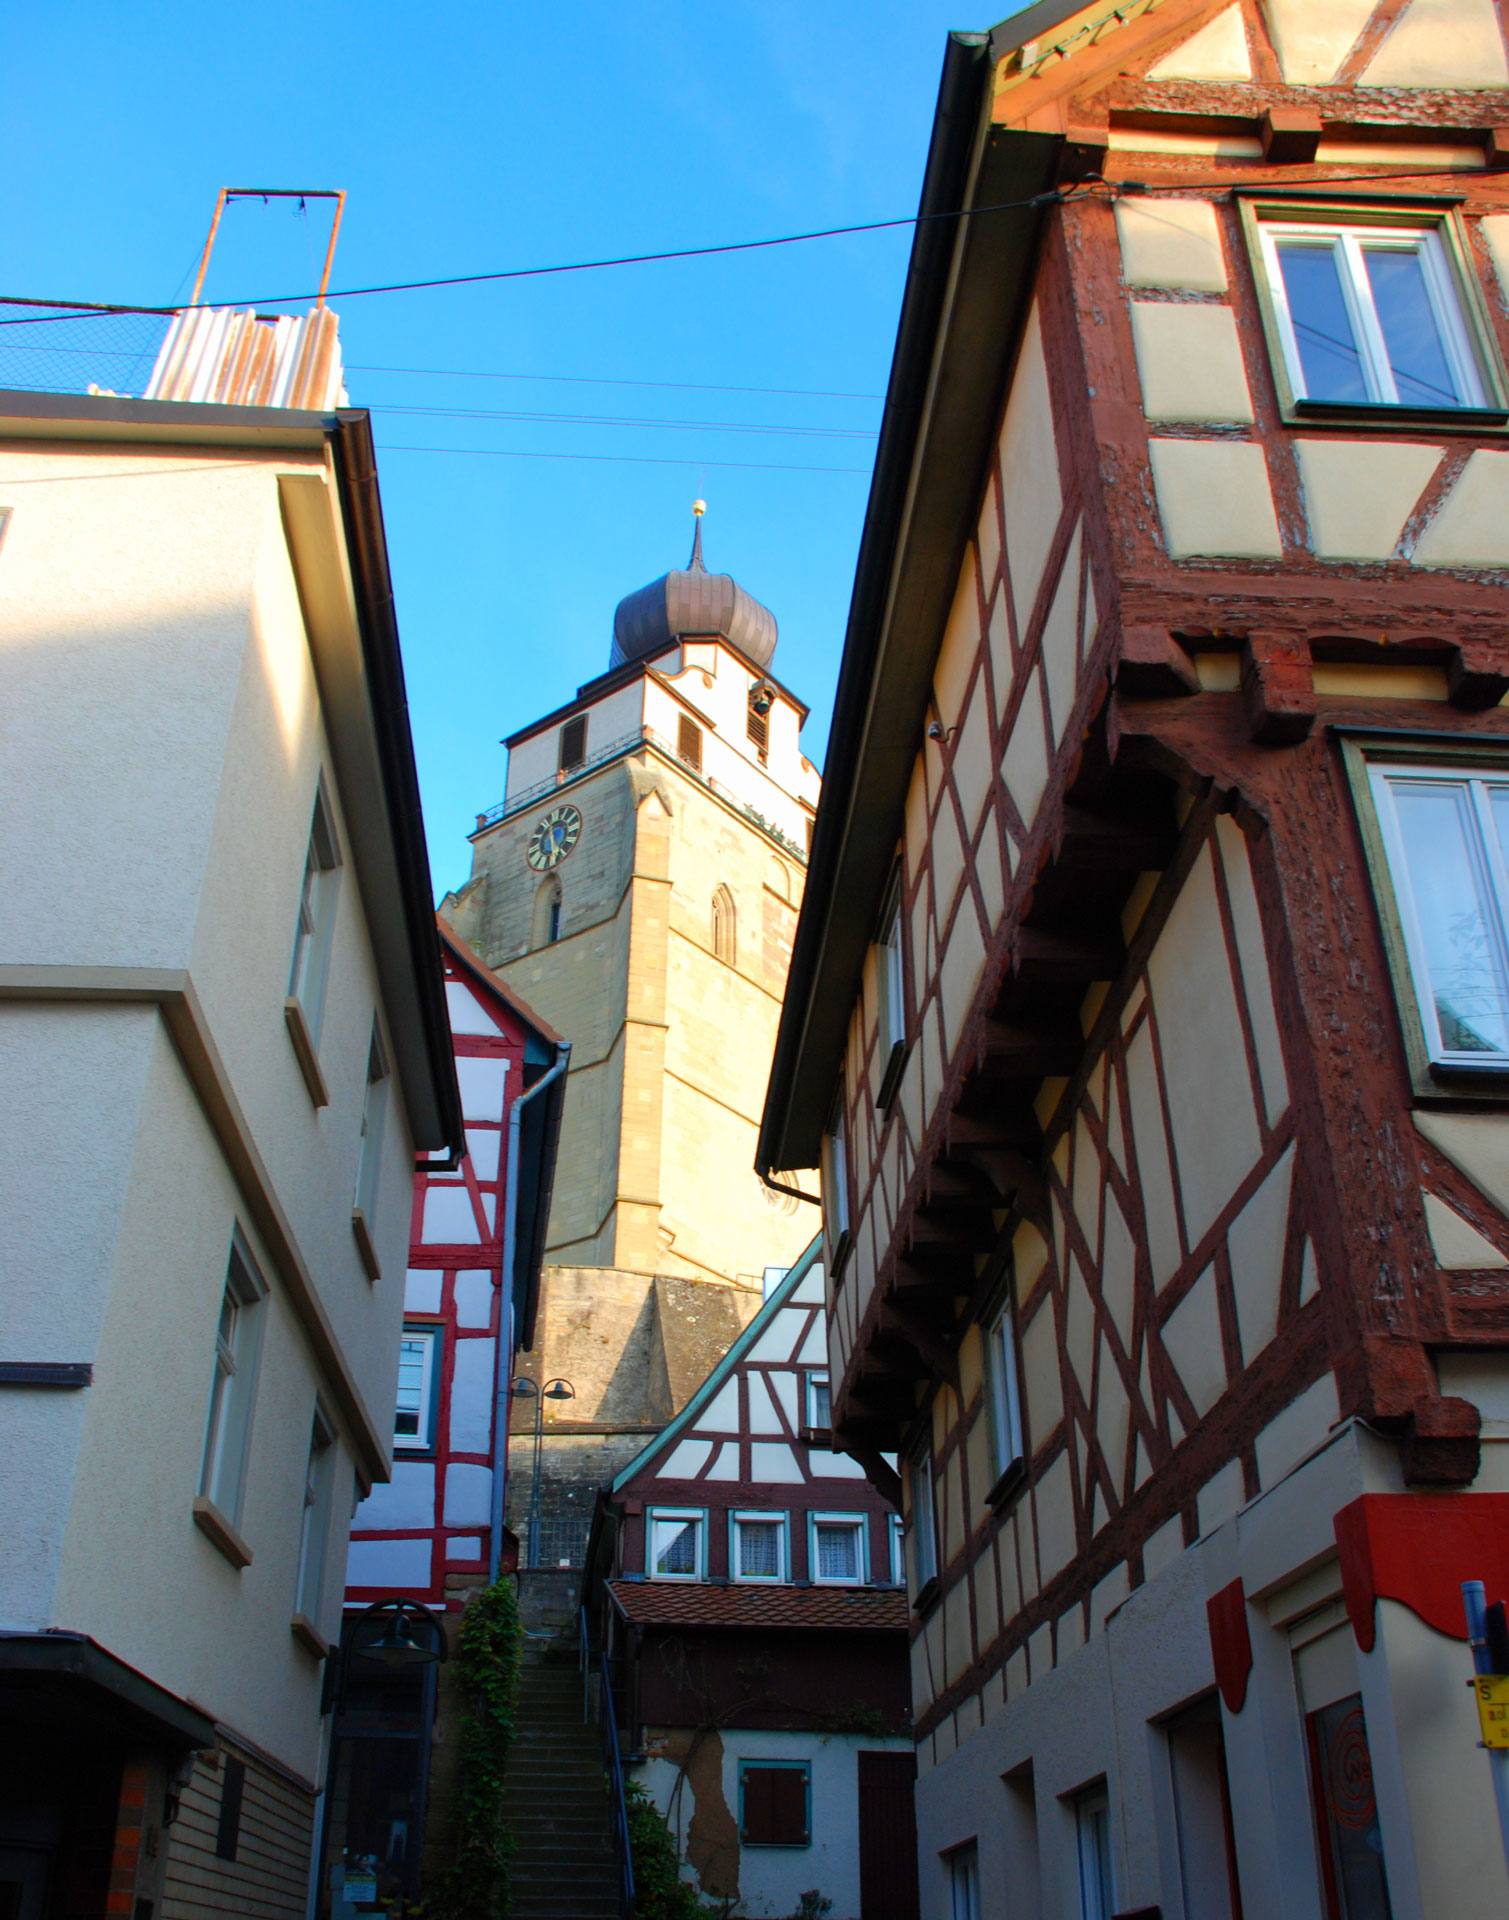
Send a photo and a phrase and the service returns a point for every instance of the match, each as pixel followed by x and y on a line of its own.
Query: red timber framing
pixel 427 1533
pixel 1100 725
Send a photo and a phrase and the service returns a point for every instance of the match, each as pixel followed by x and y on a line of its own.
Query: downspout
pixel 503 1358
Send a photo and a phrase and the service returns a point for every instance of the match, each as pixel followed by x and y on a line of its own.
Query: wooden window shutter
pixel 573 743
pixel 689 742
pixel 775 1807
pixel 758 727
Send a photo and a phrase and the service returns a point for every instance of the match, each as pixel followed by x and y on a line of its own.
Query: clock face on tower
pixel 554 838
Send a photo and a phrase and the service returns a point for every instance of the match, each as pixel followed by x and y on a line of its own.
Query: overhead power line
pixel 615 420
pixel 601 380
pixel 632 459
pixel 1052 196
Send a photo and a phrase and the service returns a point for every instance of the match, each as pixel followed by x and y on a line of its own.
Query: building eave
pixel 962 309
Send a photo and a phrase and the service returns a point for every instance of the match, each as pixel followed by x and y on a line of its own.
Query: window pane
pixel 1410 331
pixel 759 1549
pixel 1348 1808
pixel 413 1362
pixel 1322 326
pixel 676 1546
pixel 837 1551
pixel 1452 906
pixel 821 1408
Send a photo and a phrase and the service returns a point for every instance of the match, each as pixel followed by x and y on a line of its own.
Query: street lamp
pixel 553 1390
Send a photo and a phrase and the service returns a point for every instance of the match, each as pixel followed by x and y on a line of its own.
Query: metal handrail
pixel 618 1813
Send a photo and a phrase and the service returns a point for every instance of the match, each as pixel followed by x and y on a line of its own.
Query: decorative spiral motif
pixel 1349 1774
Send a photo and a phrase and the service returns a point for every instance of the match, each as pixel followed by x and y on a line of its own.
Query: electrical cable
pixel 631 459
pixel 1052 196
pixel 600 380
pixel 613 420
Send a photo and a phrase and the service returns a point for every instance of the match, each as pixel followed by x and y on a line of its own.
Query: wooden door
pixel 887 1836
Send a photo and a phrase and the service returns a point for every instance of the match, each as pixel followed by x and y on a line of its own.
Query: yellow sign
pixel 1492 1690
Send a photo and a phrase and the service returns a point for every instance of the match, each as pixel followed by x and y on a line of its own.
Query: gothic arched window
pixel 547 914
pixel 725 930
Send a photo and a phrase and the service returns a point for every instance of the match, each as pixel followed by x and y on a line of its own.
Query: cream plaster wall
pixel 1471 527
pixel 163 747
pixel 1359 493
pixel 184 1606
pixel 1218 51
pixel 1441 43
pixel 1171 243
pixel 1190 362
pixel 1214 499
pixel 1313 37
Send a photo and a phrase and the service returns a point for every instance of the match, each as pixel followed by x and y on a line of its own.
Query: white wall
pixel 773 1879
pixel 163 743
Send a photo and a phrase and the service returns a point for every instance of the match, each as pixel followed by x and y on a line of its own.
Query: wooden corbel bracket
pixel 1476 678
pixel 1278 688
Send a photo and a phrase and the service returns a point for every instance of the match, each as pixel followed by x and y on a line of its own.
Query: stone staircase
pixel 554 1802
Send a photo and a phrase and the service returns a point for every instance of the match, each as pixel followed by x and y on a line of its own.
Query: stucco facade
pixel 180 603
pixel 1162 1176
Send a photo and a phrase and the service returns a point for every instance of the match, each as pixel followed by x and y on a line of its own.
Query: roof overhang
pixel 66 1682
pixel 965 299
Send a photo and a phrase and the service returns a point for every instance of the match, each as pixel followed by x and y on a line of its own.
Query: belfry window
pixel 689 742
pixel 573 745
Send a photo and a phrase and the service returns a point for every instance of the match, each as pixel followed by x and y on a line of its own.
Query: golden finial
pixel 699 507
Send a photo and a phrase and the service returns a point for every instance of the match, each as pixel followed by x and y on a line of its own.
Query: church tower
pixel 639 886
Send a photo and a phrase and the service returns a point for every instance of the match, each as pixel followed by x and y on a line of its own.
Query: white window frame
pixel 233 1390
pixel 314 929
pixel 374 1115
pixel 964 1882
pixel 817 1377
pixel 779 1524
pixel 858 1524
pixel 1092 1847
pixel 1487 857
pixel 891 971
pixel 922 1522
pixel 896 1538
pixel 426 1439
pixel 1007 1437
pixel 834 1182
pixel 318 1510
pixel 1449 298
pixel 679 1516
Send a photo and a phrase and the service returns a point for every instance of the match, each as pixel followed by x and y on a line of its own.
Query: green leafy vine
pixel 475 1887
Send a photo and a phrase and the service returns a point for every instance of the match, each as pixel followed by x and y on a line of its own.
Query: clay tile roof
pixel 664 1603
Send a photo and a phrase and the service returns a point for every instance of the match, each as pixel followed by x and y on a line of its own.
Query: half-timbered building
pixel 744 1588
pixel 1147 1008
pixel 434 1533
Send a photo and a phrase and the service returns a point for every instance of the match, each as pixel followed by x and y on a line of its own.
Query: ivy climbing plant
pixel 487 1674
pixel 660 1893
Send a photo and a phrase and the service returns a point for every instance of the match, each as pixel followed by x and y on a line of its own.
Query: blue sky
pixel 479 137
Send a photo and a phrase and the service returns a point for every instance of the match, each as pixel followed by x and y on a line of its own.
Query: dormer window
pixel 1372 308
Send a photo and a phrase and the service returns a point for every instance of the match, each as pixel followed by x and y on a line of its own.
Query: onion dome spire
pixel 691 601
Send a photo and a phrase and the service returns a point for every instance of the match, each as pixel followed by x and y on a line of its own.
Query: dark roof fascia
pixel 355 460
pixel 617 677
pixel 1031 24
pixel 75 1658
pixel 89 416
pixel 965 297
